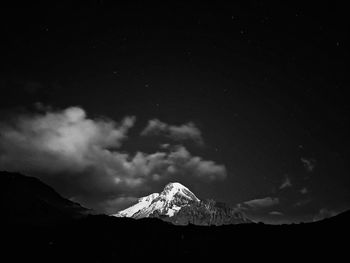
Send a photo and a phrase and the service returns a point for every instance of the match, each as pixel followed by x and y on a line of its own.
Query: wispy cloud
pixel 309 164
pixel 187 131
pixel 276 213
pixel 263 202
pixel 286 182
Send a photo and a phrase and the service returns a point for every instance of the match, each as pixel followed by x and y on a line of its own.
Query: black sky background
pixel 265 82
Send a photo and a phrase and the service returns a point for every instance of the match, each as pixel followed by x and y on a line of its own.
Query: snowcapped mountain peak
pixel 175 185
pixel 173 197
pixel 173 190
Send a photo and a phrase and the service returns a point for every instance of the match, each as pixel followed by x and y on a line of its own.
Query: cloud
pixel 286 183
pixel 302 203
pixel 82 157
pixel 164 146
pixel 324 213
pixel 309 164
pixel 276 213
pixel 304 191
pixel 262 203
pixel 58 141
pixel 183 132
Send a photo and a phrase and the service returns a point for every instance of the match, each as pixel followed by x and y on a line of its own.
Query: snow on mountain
pixel 167 203
pixel 141 205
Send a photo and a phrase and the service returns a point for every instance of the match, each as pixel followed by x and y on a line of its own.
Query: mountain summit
pixel 177 204
pixel 167 203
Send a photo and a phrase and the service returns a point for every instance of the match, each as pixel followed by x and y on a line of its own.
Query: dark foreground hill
pixel 108 239
pixel 25 199
pixel 99 238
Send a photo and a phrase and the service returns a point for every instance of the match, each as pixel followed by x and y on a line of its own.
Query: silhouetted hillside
pixel 26 199
pixel 99 238
pixel 106 239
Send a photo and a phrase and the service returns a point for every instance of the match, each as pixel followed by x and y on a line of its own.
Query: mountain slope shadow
pixel 25 199
pixel 73 236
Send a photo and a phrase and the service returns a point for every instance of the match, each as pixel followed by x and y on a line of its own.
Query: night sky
pixel 239 102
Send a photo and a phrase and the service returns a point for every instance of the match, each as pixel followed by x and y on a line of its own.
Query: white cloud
pixel 81 157
pixel 188 131
pixel 262 203
pixel 164 146
pixel 195 165
pixel 309 164
pixel 276 213
pixel 286 183
pixel 58 141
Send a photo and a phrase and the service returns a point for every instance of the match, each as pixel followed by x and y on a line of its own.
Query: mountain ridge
pixel 178 205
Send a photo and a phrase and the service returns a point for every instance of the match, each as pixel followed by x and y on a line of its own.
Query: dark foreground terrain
pixel 107 239
pixel 38 225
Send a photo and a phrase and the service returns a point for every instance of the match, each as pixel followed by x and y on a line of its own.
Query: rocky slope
pixel 209 212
